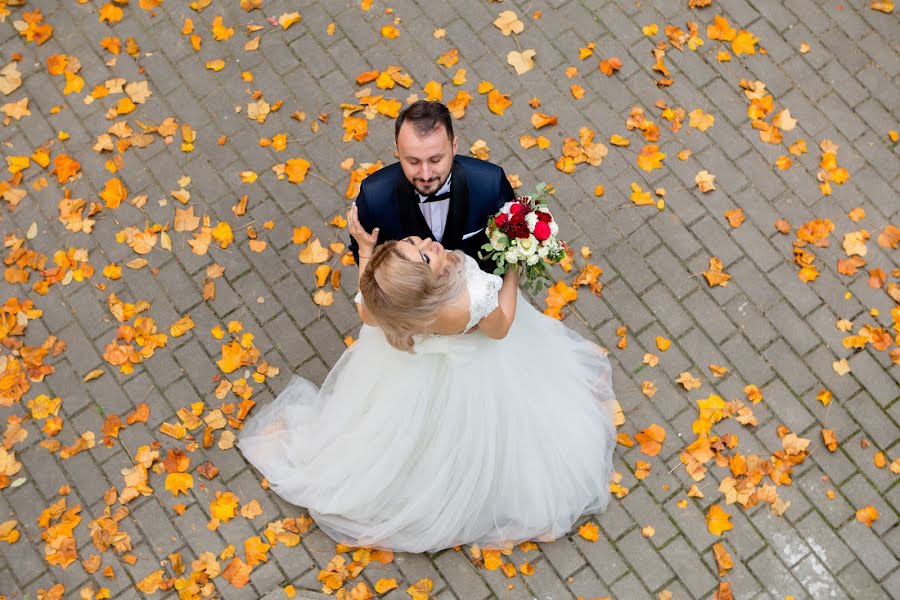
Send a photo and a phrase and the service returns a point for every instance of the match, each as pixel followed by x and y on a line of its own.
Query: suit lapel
pixel 459 208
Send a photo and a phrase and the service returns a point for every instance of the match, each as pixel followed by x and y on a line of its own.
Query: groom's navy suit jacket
pixel 478 189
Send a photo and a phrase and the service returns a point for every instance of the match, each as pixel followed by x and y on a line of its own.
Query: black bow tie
pixel 434 197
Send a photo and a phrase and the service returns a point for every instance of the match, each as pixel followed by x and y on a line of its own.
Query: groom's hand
pixel 363 238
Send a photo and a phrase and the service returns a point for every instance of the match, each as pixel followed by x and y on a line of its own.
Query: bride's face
pixel 426 251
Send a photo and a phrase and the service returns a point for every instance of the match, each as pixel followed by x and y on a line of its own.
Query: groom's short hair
pixel 425 115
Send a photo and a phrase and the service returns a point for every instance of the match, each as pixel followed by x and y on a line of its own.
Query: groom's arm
pixel 506 191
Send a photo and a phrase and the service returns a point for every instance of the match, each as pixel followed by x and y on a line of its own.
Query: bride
pixel 461 415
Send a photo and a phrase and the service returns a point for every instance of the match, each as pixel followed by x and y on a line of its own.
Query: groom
pixel 431 192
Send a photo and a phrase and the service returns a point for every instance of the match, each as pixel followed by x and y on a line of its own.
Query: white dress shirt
pixel 436 211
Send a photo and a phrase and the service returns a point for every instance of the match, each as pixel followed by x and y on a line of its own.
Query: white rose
pixel 530 219
pixel 554 228
pixel 533 259
pixel 543 251
pixel 512 256
pixel 527 246
pixel 499 240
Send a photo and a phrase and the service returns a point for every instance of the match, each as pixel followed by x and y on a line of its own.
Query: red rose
pixel 541 231
pixel 500 219
pixel 516 208
pixel 544 216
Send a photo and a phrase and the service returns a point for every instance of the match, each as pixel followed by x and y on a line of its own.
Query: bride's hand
pixel 363 238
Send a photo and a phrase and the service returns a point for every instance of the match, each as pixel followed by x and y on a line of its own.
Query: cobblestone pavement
pixel 767 326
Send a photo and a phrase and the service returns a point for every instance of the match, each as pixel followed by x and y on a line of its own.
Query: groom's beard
pixel 433 185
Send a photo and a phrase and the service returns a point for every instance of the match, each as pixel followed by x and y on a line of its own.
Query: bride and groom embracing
pixel 462 414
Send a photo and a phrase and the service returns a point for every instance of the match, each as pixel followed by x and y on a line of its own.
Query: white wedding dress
pixel 469 440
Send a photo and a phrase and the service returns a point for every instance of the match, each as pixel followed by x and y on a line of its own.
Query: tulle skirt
pixel 469 440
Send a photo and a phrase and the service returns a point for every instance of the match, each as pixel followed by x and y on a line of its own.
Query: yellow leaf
pixel 215 65
pixel 248 176
pixel 301 234
pixel 16 164
pixel 181 326
pixel 383 585
pixel 705 181
pixel 867 515
pixel 497 102
pixel 314 253
pixel 420 589
pixel 720 30
pixel 94 375
pixel 508 22
pixel 663 343
pixel 639 196
pixel 434 91
pixel 701 120
pixel 522 62
pixel 390 32
pixel 717 520
pixel 449 58
pixel 744 43
pixel 650 30
pixel 735 217
pixel 114 192
pixel 288 19
pixel 589 531
pixel 323 298
pixel 322 273
pixel 296 169
pixel 179 483
pixel 110 13
pixel 618 140
pixel 224 507
pixel 255 550
pixel 651 439
pixel 650 158
pixel 74 83
pixel 223 234
pixel 220 32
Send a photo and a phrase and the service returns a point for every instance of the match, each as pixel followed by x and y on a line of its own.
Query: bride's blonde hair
pixel 404 296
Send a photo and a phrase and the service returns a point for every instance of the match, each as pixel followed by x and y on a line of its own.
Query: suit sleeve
pixel 506 191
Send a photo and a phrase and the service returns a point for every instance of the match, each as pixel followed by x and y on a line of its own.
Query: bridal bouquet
pixel 523 236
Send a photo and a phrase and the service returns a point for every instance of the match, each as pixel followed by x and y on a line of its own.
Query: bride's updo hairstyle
pixel 404 296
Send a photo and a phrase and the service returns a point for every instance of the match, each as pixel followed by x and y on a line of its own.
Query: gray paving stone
pixel 606 561
pixel 563 555
pixel 827 546
pixel 817 580
pixel 855 577
pixel 877 558
pixel 777 579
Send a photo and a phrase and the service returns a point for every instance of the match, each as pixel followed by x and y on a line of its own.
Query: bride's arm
pixel 496 325
pixel 366 245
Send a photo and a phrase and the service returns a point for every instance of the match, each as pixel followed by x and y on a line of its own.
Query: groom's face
pixel 426 160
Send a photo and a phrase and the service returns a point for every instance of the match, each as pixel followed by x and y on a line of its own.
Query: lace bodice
pixel 484 290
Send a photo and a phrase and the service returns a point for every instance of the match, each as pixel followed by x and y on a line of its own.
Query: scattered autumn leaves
pixel 137 336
